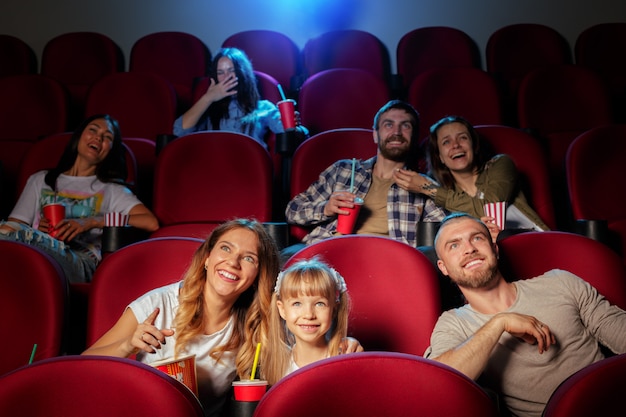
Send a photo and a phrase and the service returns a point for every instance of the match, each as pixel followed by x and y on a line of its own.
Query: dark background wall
pixel 36 21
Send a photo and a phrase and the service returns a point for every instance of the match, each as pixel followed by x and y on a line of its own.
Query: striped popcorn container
pixel 497 211
pixel 115 219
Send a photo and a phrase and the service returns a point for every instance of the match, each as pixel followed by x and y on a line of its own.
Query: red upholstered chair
pixel 320 151
pixel 394 290
pixel 45 154
pixel 558 103
pixel 594 162
pixel 431 47
pixel 32 107
pixel 179 57
pixel 77 60
pixel 16 56
pixel 372 384
pixel 131 271
pixel 33 295
pixel 515 50
pixel 143 103
pixel 97 386
pixel 209 177
pixel 530 254
pixel 596 390
pixel 462 91
pixel 602 48
pixel 595 159
pixel 347 48
pixel 344 97
pixel 272 53
pixel 530 160
pixel 144 151
pixel 268 90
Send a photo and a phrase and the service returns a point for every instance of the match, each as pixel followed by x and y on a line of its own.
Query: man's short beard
pixel 395 154
pixel 480 281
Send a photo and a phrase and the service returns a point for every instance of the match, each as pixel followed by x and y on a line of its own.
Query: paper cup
pixel 497 211
pixel 115 219
pixel 249 390
pixel 55 213
pixel 346 222
pixel 182 369
pixel 287 110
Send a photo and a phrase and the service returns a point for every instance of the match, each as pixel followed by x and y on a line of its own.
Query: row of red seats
pixel 155 262
pixel 595 390
pixel 511 52
pixel 170 181
pixel 59 383
pixel 554 103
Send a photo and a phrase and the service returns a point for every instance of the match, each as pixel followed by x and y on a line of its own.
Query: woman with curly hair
pixel 205 314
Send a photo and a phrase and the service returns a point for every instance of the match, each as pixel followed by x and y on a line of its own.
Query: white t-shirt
pixel 214 378
pixel 81 196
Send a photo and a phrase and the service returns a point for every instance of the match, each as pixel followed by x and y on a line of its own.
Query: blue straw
pixel 352 176
pixel 282 93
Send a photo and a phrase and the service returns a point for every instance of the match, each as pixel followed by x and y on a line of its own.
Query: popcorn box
pixel 497 211
pixel 183 369
pixel 115 219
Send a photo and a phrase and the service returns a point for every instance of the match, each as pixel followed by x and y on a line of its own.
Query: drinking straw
pixel 256 361
pixel 352 176
pixel 282 93
pixel 32 354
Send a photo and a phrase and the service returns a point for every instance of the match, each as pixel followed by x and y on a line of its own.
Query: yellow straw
pixel 256 361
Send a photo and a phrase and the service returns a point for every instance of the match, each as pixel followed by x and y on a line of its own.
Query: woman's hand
pixel 415 182
pixel 218 91
pixel 68 229
pixel 44 225
pixel 147 337
pixel 494 230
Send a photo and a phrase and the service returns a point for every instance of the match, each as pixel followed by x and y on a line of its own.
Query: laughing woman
pixel 467 179
pixel 88 181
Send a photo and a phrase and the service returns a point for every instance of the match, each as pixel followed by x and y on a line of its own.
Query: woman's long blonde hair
pixel 190 319
pixel 311 278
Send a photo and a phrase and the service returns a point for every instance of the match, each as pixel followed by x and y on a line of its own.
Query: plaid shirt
pixel 404 209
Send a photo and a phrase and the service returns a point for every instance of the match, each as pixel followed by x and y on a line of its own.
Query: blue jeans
pixel 77 266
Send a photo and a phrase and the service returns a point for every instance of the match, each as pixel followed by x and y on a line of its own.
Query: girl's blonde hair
pixel 190 319
pixel 310 278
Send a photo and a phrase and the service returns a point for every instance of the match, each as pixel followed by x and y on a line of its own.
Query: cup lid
pixel 250 382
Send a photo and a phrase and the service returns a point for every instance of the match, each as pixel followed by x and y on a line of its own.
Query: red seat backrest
pixel 386 280
pixel 431 47
pixel 131 271
pixel 34 288
pixel 530 254
pixel 376 384
pixel 343 97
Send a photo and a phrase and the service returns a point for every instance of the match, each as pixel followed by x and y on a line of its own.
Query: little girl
pixel 308 319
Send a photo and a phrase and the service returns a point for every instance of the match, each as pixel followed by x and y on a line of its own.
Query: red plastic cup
pixel 497 211
pixel 287 110
pixel 346 222
pixel 249 390
pixel 54 212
